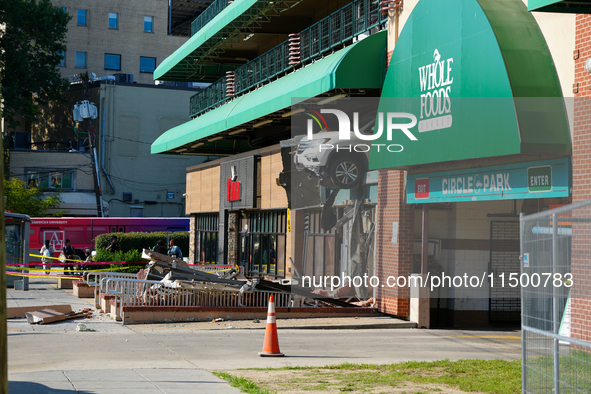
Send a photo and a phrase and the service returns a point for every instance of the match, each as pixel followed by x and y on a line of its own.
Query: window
pixel 323 247
pixel 136 212
pixel 112 62
pixel 80 60
pixel 113 20
pixel 147 64
pixel 47 179
pixel 81 18
pixel 149 24
pixel 206 238
pixel 262 248
pixel 62 62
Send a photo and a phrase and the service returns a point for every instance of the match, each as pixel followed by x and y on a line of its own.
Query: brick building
pixel 581 321
pixel 131 37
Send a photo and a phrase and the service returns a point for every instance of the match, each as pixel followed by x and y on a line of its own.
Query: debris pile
pixel 48 315
pixel 175 273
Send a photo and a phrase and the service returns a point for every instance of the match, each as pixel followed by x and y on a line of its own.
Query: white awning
pixel 79 204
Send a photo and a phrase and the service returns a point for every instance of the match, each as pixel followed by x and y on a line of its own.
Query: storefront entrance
pixel 262 243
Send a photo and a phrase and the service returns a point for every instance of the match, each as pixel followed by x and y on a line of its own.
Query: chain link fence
pixel 555 286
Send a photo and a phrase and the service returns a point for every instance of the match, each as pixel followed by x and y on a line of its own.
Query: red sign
pixel 232 190
pixel 422 188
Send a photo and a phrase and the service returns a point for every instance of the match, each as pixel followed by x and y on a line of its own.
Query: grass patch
pixel 242 384
pixel 575 370
pixel 485 376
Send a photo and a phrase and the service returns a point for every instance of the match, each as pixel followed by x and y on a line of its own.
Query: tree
pixel 30 49
pixel 30 201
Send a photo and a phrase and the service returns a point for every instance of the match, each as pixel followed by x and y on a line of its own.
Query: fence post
pixel 556 320
pixel 523 301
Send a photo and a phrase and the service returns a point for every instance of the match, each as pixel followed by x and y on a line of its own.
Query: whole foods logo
pixel 436 81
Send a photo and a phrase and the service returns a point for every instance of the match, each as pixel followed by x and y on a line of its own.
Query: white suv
pixel 334 161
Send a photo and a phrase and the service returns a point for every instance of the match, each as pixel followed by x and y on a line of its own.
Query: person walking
pixel 114 246
pixel 160 247
pixel 174 250
pixel 47 251
pixel 68 253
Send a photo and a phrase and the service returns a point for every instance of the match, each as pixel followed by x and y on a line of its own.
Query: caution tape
pixel 213 272
pixel 43 276
pixel 79 262
pixel 53 258
pixel 69 270
pixel 212 265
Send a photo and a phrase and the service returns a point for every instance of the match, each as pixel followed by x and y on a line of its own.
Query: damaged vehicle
pixel 338 163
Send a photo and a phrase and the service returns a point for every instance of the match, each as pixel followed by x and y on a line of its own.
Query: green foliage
pixel 29 201
pixel 131 256
pixel 31 47
pixel 139 241
pixel 103 255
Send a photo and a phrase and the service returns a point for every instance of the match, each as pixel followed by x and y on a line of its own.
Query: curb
pixel 328 327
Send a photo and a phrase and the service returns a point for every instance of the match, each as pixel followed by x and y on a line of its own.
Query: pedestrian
pixel 47 251
pixel 160 247
pixel 68 253
pixel 114 246
pixel 174 250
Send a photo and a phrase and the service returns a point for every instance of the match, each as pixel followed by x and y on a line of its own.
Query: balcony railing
pixel 210 12
pixel 334 31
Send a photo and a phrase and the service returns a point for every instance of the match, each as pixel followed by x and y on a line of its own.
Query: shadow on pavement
pixel 19 387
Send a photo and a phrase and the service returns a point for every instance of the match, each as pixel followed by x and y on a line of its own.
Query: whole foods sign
pixel 436 80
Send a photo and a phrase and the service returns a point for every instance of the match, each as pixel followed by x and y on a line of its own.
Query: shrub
pixel 106 256
pixel 132 256
pixel 139 241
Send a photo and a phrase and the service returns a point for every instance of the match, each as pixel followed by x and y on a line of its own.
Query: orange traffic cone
pixel 271 344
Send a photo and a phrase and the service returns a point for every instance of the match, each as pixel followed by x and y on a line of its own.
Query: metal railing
pixel 328 34
pixel 148 293
pixel 210 12
pixel 94 278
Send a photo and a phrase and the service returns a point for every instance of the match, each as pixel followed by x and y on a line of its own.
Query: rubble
pixel 48 315
pixel 20 312
pixel 82 327
pixel 175 273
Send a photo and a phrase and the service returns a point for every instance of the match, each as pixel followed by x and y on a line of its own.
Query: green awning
pixel 480 82
pixel 188 62
pixel 359 66
pixel 565 6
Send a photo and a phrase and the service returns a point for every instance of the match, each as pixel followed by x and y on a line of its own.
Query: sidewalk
pixel 177 357
pixel 55 358
pixel 115 381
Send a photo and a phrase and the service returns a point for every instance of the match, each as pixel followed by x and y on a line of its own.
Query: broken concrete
pixel 48 315
pixel 20 312
pixel 45 316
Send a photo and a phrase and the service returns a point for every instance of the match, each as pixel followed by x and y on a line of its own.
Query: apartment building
pixel 131 37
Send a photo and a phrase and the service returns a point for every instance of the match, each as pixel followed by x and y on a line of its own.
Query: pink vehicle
pixel 82 231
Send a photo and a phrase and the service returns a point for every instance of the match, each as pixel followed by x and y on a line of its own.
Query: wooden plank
pixel 18 312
